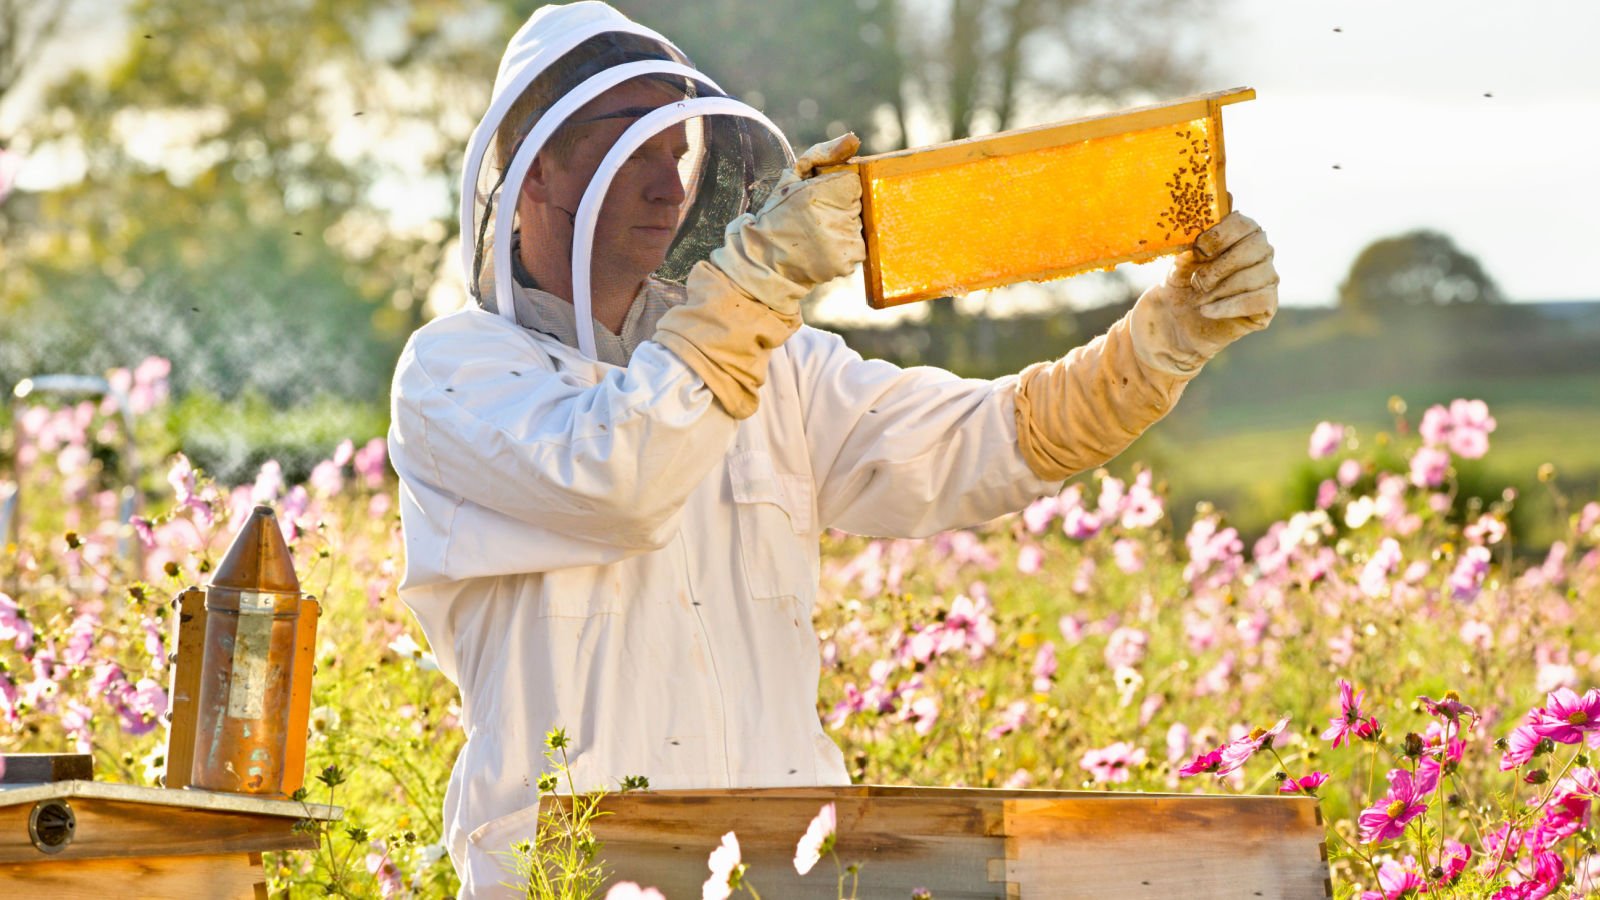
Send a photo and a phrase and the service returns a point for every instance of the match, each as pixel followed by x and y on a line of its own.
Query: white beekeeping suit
pixel 629 549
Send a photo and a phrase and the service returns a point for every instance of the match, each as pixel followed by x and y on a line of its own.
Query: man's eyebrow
pixel 628 112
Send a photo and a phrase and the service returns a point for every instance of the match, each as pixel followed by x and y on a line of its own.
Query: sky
pixel 1394 94
pixel 1396 98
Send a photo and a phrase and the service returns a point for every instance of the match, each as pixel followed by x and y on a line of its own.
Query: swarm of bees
pixel 1190 190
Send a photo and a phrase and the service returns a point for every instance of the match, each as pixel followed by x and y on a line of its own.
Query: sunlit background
pixel 263 192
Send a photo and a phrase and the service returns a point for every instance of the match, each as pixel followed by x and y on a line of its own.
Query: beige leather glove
pixel 806 234
pixel 745 301
pixel 1219 291
pixel 1078 412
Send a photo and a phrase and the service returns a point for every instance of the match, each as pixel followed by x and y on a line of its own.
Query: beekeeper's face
pixel 640 215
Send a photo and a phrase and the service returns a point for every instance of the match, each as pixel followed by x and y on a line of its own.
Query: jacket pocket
pixel 776 541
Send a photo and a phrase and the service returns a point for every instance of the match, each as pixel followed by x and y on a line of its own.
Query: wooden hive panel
pixel 976 843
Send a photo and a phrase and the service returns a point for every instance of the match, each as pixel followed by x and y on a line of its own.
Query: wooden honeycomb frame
pixel 1045 202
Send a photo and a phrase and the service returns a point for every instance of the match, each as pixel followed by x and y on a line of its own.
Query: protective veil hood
pixel 735 154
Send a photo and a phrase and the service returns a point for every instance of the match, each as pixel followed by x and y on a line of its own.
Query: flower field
pixel 1393 650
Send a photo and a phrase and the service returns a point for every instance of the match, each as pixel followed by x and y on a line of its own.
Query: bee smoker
pixel 241 689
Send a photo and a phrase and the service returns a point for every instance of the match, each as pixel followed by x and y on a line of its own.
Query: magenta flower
pixel 1142 506
pixel 1349 473
pixel 1439 762
pixel 1566 717
pixel 1111 765
pixel 1450 708
pixel 1306 784
pixel 1128 555
pixel 1374 579
pixel 1325 440
pixel 1039 514
pixel 372 461
pixel 1012 719
pixel 1388 817
pixel 1521 745
pixel 1349 721
pixel 1209 762
pixel 1455 858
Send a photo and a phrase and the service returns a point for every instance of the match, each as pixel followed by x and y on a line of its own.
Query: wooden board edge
pixel 871 273
pixel 1039 137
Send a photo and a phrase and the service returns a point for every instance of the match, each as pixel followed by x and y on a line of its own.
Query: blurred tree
pixel 26 27
pixel 232 211
pixel 1419 268
pixel 953 67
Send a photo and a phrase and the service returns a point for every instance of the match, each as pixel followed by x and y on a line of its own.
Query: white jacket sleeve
pixel 907 452
pixel 509 466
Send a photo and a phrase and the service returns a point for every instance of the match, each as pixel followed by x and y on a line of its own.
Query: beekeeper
pixel 615 466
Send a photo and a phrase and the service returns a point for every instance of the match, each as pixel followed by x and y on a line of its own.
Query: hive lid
pixel 258 559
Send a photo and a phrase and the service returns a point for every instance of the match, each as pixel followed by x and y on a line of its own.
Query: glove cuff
pixel 1158 342
pixel 726 337
pixel 1078 412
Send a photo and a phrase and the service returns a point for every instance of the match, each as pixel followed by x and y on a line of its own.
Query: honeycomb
pixel 1000 216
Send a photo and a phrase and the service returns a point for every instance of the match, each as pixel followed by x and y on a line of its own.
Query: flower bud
pixel 1413 745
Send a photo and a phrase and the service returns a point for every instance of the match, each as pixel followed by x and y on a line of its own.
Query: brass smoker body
pixel 254 686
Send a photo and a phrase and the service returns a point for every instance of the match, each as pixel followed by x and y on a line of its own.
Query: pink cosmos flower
pixel 1128 555
pixel 1566 717
pixel 1450 708
pixel 1349 473
pixel 1235 753
pixel 1388 817
pixel 1429 466
pixel 1044 667
pixel 1126 647
pixel 1467 578
pixel 1350 719
pixel 1439 762
pixel 1374 578
pixel 1012 719
pixel 372 461
pixel 379 866
pixel 818 839
pixel 628 890
pixel 1327 492
pixel 1111 765
pixel 1325 440
pixel 1209 762
pixel 924 711
pixel 1398 879
pixel 1521 745
pixel 1039 514
pixel 726 870
pixel 1487 530
pixel 1306 784
pixel 14 624
pixel 1143 506
pixel 1455 858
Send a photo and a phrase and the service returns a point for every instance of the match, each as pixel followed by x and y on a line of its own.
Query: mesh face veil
pixel 645 161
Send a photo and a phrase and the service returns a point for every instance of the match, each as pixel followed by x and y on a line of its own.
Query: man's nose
pixel 664 184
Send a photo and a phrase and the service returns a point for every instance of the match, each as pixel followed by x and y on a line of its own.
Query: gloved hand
pixel 745 300
pixel 1219 291
pixel 807 233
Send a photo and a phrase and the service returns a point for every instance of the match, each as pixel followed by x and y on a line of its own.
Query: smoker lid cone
pixel 258 559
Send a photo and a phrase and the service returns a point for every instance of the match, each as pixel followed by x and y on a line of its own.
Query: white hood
pixel 489 186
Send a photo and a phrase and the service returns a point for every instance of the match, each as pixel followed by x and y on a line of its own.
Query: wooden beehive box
pixel 93 840
pixel 972 843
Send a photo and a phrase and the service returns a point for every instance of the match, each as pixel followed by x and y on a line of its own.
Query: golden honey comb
pixel 1043 203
